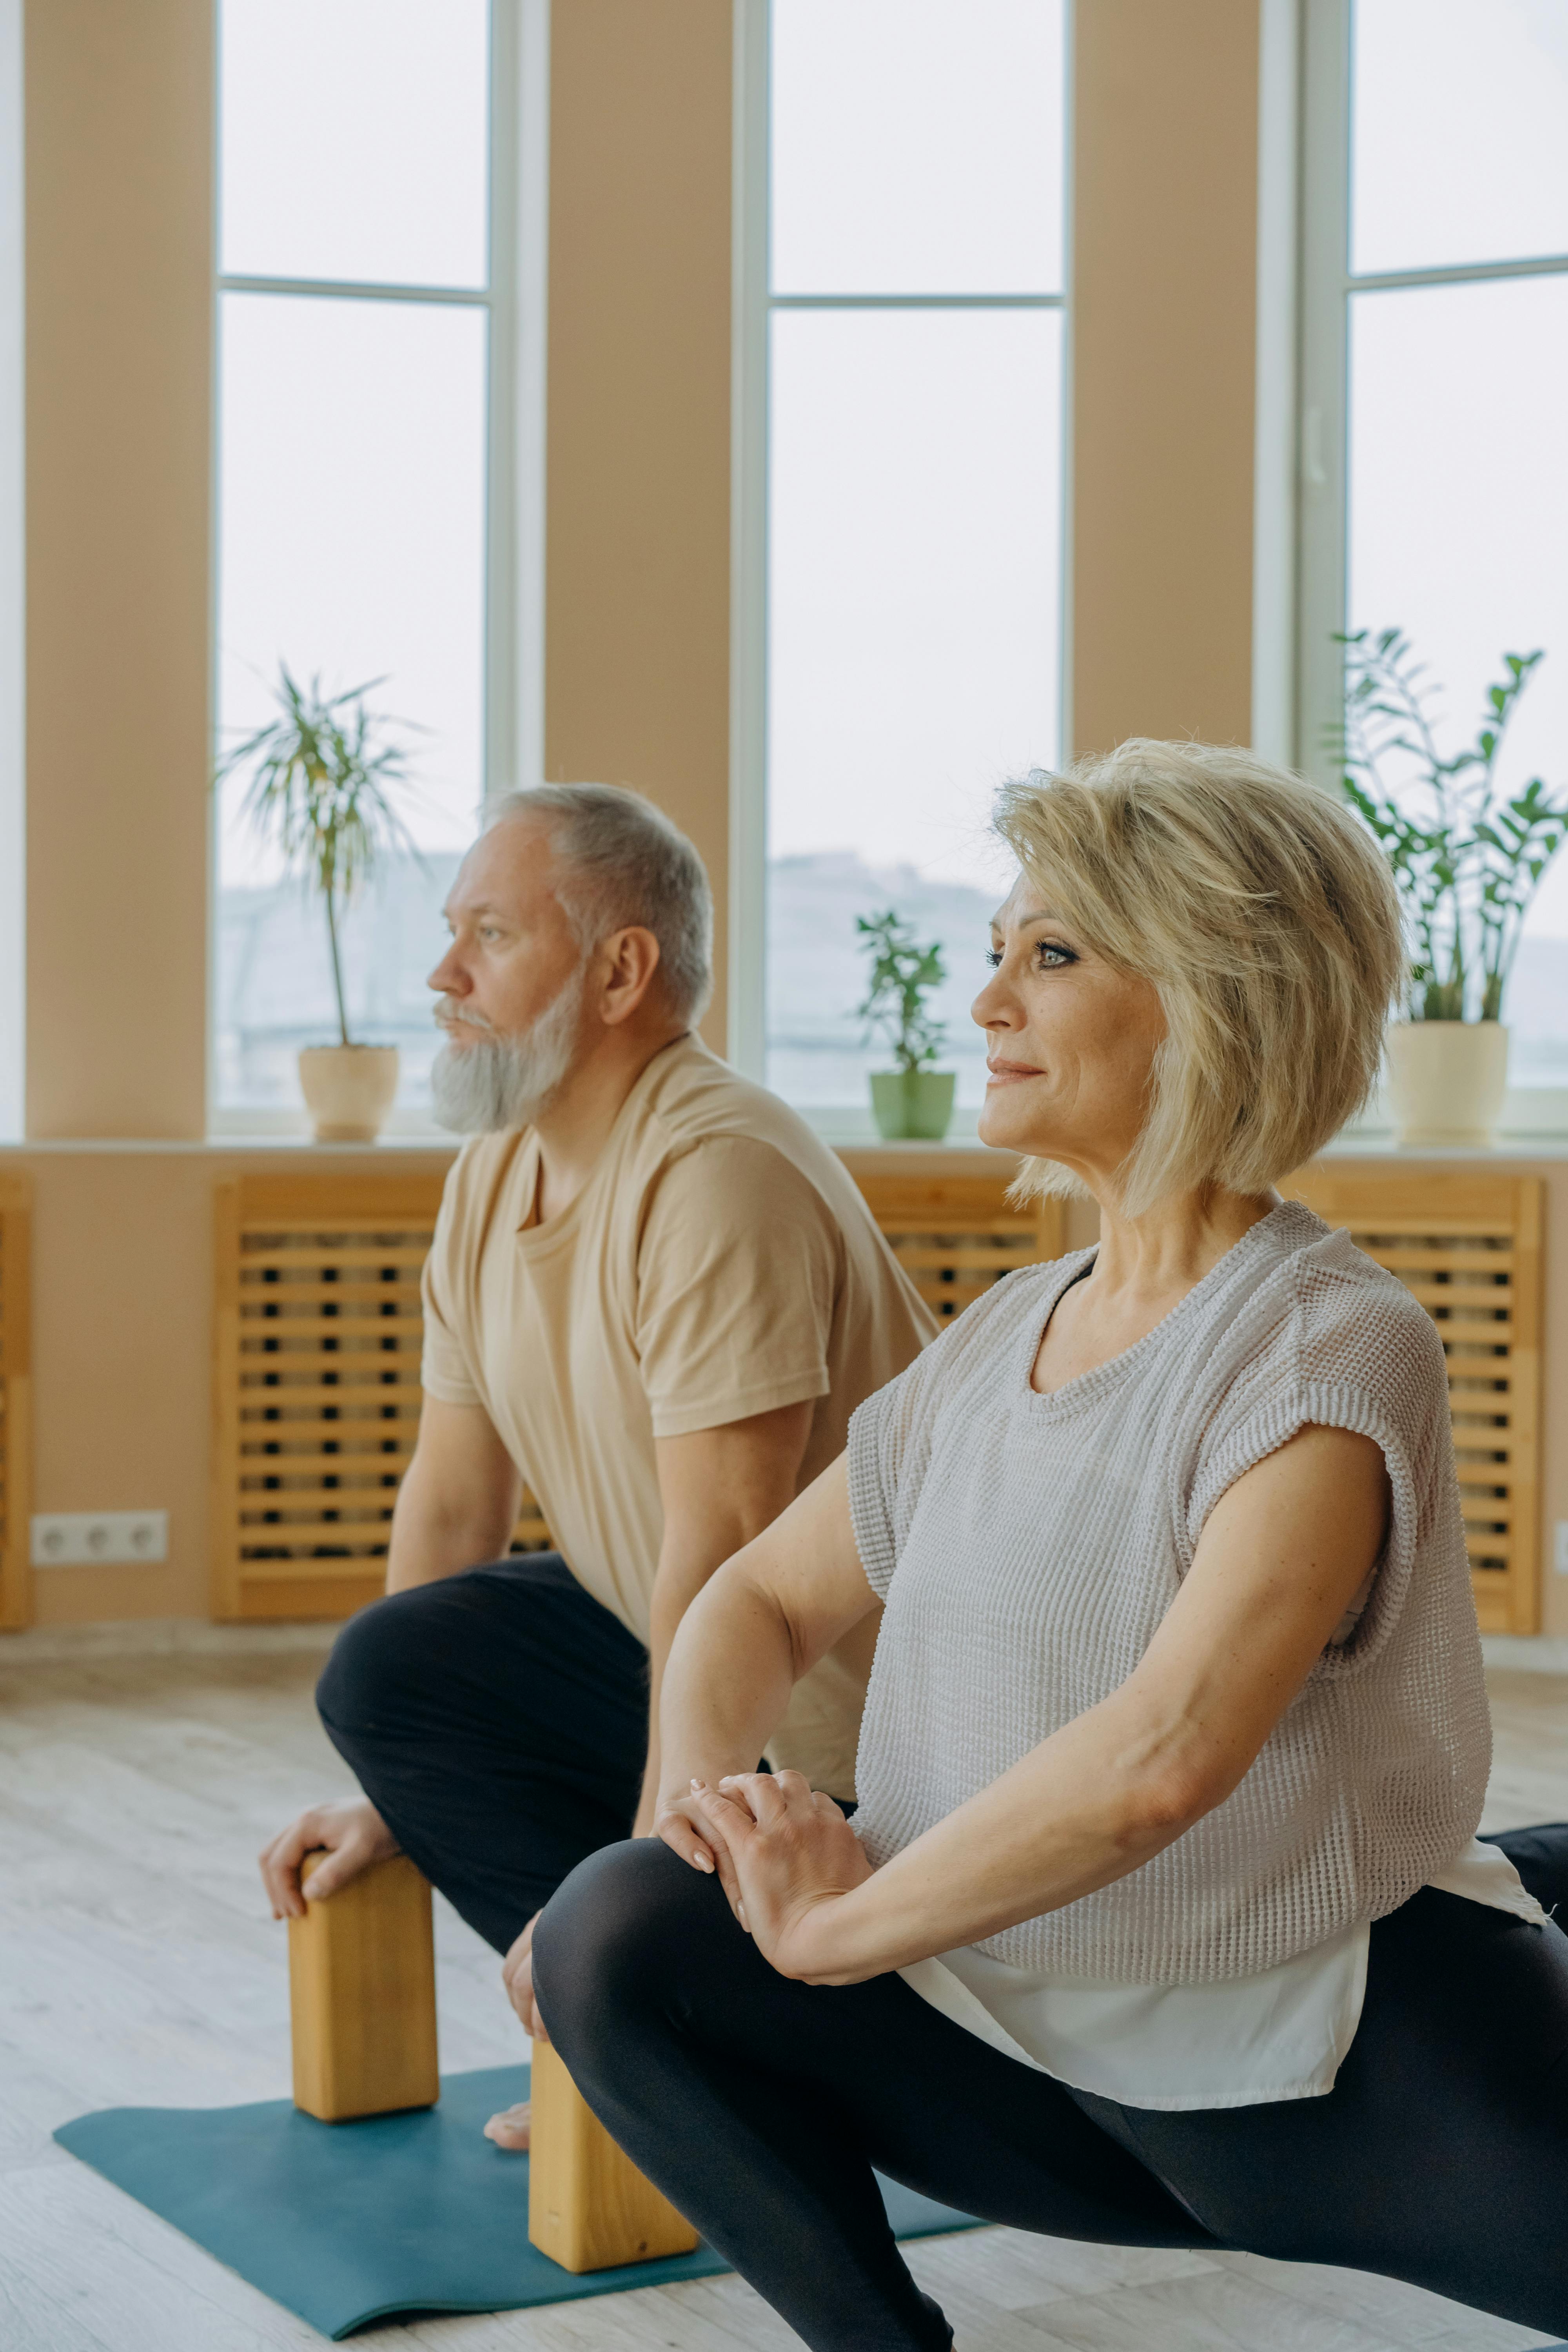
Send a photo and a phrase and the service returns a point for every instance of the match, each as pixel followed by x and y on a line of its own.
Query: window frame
pixel 514 300
pixel 1328 285
pixel 752 305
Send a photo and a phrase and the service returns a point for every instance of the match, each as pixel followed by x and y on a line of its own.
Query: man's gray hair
pixel 622 863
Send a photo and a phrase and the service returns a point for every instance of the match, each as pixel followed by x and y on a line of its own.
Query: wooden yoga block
pixel 362 1993
pixel 589 2208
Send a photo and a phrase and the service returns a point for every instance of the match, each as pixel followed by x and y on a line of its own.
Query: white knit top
pixel 1027 1546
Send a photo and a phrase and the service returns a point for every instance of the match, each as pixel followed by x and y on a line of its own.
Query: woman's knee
pixel 607 1938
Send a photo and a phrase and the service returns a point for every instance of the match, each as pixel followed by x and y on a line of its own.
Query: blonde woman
pixel 1162 1920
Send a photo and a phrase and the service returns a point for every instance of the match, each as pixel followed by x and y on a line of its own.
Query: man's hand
pixel 517 1975
pixel 783 1852
pixel 354 1836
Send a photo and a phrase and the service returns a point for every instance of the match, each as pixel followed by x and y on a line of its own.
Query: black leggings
pixel 760 2107
pixel 498 1722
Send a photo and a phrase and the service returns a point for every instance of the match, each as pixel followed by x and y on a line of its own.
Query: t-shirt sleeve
pixel 739 1275
pixel 889 1443
pixel 1358 1356
pixel 444 1371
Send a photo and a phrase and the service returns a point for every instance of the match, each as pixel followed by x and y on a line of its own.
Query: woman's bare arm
pixel 1282 1556
pixel 761 1623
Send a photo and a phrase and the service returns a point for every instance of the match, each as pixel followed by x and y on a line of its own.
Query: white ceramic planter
pixel 348 1090
pixel 1446 1080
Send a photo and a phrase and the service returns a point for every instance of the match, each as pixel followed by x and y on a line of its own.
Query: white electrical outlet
pixel 1559 1548
pixel 99 1538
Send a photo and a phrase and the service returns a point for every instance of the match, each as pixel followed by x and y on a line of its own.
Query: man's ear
pixel 629 960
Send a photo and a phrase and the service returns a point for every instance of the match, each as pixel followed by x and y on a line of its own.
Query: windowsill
pixel 1536 1128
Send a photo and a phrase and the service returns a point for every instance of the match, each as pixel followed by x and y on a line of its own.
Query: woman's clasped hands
pixel 785 1857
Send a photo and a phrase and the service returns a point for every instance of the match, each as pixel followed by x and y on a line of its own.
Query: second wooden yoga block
pixel 589 2208
pixel 362 1994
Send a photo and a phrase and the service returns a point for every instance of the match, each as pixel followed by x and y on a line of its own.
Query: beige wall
pixel 119 331
pixel 637 498
pixel 1165 181
pixel 119 160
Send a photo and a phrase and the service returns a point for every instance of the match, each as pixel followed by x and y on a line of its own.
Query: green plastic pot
pixel 912 1104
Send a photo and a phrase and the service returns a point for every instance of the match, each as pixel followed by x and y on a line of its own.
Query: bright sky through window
pixel 914 496
pixel 352 423
pixel 1459 456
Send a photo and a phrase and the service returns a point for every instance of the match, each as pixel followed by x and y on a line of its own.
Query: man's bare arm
pixel 457 1503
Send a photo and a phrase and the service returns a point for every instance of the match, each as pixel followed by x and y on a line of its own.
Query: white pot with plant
pixel 1468 861
pixel 911 1100
pixel 323 773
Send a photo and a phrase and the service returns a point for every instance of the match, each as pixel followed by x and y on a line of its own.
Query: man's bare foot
pixel 510 2128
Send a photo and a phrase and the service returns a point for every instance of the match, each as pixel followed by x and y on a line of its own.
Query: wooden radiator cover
pixel 15 1392
pixel 318 1343
pixel 1469 1248
pixel 316 1389
pixel 955 1236
pixel 317 1338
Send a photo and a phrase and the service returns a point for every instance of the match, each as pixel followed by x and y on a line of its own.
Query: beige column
pixel 637 485
pixel 119 111
pixel 1163 295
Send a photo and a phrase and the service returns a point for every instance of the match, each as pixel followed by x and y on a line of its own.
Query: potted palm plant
pixel 1467 860
pixel 911 1100
pixel 322 778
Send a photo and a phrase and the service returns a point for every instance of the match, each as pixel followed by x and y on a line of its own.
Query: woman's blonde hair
pixel 1268 925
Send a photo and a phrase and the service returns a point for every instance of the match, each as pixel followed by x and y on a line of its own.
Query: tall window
pixel 364 347
pixel 906 571
pixel 1435 452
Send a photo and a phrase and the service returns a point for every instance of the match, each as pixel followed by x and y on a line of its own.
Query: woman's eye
pixel 1051 957
pixel 993 958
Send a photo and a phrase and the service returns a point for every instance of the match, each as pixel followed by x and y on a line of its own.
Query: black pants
pixel 760 2108
pixel 498 1722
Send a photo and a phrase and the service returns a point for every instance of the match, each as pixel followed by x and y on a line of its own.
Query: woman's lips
pixel 1007 1074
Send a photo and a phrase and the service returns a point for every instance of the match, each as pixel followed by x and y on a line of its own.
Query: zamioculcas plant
pixel 1468 860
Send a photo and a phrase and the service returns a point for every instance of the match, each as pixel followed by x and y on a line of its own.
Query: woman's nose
pixel 992 1008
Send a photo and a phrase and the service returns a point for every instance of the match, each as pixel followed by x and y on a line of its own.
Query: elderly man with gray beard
pixel 656 1297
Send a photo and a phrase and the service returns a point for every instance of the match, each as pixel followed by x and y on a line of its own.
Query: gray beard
pixel 501 1082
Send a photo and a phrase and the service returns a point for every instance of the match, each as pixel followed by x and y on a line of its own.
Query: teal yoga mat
pixel 348 2223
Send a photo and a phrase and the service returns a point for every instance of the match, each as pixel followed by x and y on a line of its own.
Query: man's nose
pixel 449 979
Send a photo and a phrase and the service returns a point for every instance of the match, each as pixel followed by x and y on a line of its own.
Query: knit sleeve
pixel 889 1450
pixel 1357 1354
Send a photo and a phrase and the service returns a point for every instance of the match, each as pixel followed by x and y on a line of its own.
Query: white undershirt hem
pixel 1246 2043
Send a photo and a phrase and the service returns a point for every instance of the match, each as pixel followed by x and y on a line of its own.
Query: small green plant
pixel 903 974
pixel 324 774
pixel 1466 860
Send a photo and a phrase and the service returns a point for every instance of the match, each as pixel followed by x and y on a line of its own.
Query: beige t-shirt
pixel 719 1262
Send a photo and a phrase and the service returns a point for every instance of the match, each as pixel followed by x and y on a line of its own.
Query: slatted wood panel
pixel 955 1236
pixel 1469 1248
pixel 15 1396
pixel 317 1395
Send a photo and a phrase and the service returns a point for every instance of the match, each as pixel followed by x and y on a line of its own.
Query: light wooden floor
pixel 138 1966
